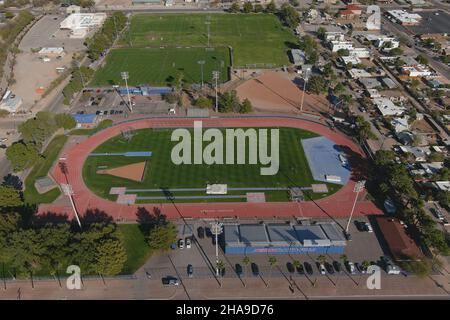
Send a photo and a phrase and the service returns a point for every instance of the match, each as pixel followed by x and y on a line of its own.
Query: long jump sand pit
pixel 277 92
pixel 133 171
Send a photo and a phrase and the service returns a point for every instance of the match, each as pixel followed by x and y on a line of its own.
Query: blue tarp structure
pixel 323 159
pixel 85 118
pixel 145 91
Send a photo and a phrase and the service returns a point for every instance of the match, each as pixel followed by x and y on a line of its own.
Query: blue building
pixel 283 238
pixel 85 120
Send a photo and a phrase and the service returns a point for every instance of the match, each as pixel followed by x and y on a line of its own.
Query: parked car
pixel 389 266
pixel 181 243
pixel 208 232
pixel 238 269
pixel 170 281
pixel 368 227
pixel 190 270
pixel 359 267
pixel 445 222
pixel 290 267
pixel 437 213
pixel 337 266
pixel 255 269
pixel 321 268
pixel 329 268
pixel 3 146
pixel 188 243
pixel 200 232
pixel 351 267
pixel 300 269
pixel 308 268
pixel 360 225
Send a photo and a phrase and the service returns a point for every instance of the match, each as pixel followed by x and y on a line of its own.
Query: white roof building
pixel 379 40
pixel 10 102
pixel 338 45
pixel 351 59
pixel 405 18
pixel 400 124
pixel 387 107
pixel 52 51
pixel 81 23
pixel 334 36
pixel 418 70
pixel 442 185
pixel 358 73
pixel 360 52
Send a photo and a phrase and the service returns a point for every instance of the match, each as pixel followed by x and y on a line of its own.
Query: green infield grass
pixel 161 172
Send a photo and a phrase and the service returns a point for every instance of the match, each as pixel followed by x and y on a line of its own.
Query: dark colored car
pixel 238 269
pixel 360 225
pixel 112 112
pixel 300 269
pixel 255 269
pixel 208 232
pixel 201 232
pixel 290 267
pixel 190 270
pixel 97 112
pixel 329 268
pixel 170 281
pixel 105 112
pixel 337 266
pixel 308 268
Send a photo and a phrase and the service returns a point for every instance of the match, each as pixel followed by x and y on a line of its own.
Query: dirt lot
pixel 30 72
pixel 279 92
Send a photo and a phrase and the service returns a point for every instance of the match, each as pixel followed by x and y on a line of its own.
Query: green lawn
pixel 157 66
pixel 161 172
pixel 137 249
pixel 40 169
pixel 157 46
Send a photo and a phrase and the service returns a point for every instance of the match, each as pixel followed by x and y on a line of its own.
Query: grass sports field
pixel 157 66
pixel 158 45
pixel 160 172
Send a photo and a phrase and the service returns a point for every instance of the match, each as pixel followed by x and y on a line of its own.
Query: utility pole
pixel 201 63
pixel 305 80
pixel 216 75
pixel 125 76
pixel 216 229
pixel 359 186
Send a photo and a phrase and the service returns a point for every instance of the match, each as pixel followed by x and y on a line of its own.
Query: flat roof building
pixel 405 18
pixel 81 23
pixel 280 238
pixel 387 107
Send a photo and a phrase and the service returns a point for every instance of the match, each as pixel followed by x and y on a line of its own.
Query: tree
pixel 25 251
pixel 294 3
pixel 110 257
pixel 65 121
pixel 246 106
pixel 343 52
pixel 204 102
pixel 235 8
pixel 290 16
pixel 321 33
pixel 339 88
pixel 229 102
pixel 162 236
pixel 246 262
pixel 248 7
pixel 9 197
pixel 321 259
pixel 271 7
pixel 396 51
pixel 258 8
pixel 364 129
pixel 21 155
pixel 38 129
pixel 220 265
pixel 422 59
pixel 316 84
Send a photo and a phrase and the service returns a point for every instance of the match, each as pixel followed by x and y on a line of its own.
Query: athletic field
pixel 160 172
pixel 160 67
pixel 158 45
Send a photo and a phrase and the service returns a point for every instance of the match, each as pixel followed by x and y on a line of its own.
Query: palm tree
pixel 246 262
pixel 344 258
pixel 321 259
pixel 296 264
pixel 365 264
pixel 273 262
pixel 220 266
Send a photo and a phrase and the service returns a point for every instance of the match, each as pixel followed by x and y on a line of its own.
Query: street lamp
pixel 201 63
pixel 359 186
pixel 305 80
pixel 125 76
pixel 216 229
pixel 216 75
pixel 68 191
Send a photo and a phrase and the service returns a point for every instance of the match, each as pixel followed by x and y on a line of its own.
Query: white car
pixel 351 267
pixel 188 243
pixel 368 227
pixel 322 269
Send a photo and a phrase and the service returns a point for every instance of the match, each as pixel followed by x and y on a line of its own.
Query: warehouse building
pixel 277 238
pixel 80 24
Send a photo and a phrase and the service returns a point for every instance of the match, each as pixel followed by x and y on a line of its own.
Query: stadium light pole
pixel 359 186
pixel 216 78
pixel 125 76
pixel 208 23
pixel 201 63
pixel 216 229
pixel 305 80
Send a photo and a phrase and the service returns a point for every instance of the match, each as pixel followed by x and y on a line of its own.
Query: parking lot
pixel 365 246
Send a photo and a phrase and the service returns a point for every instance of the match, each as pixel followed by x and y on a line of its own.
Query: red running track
pixel 337 205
